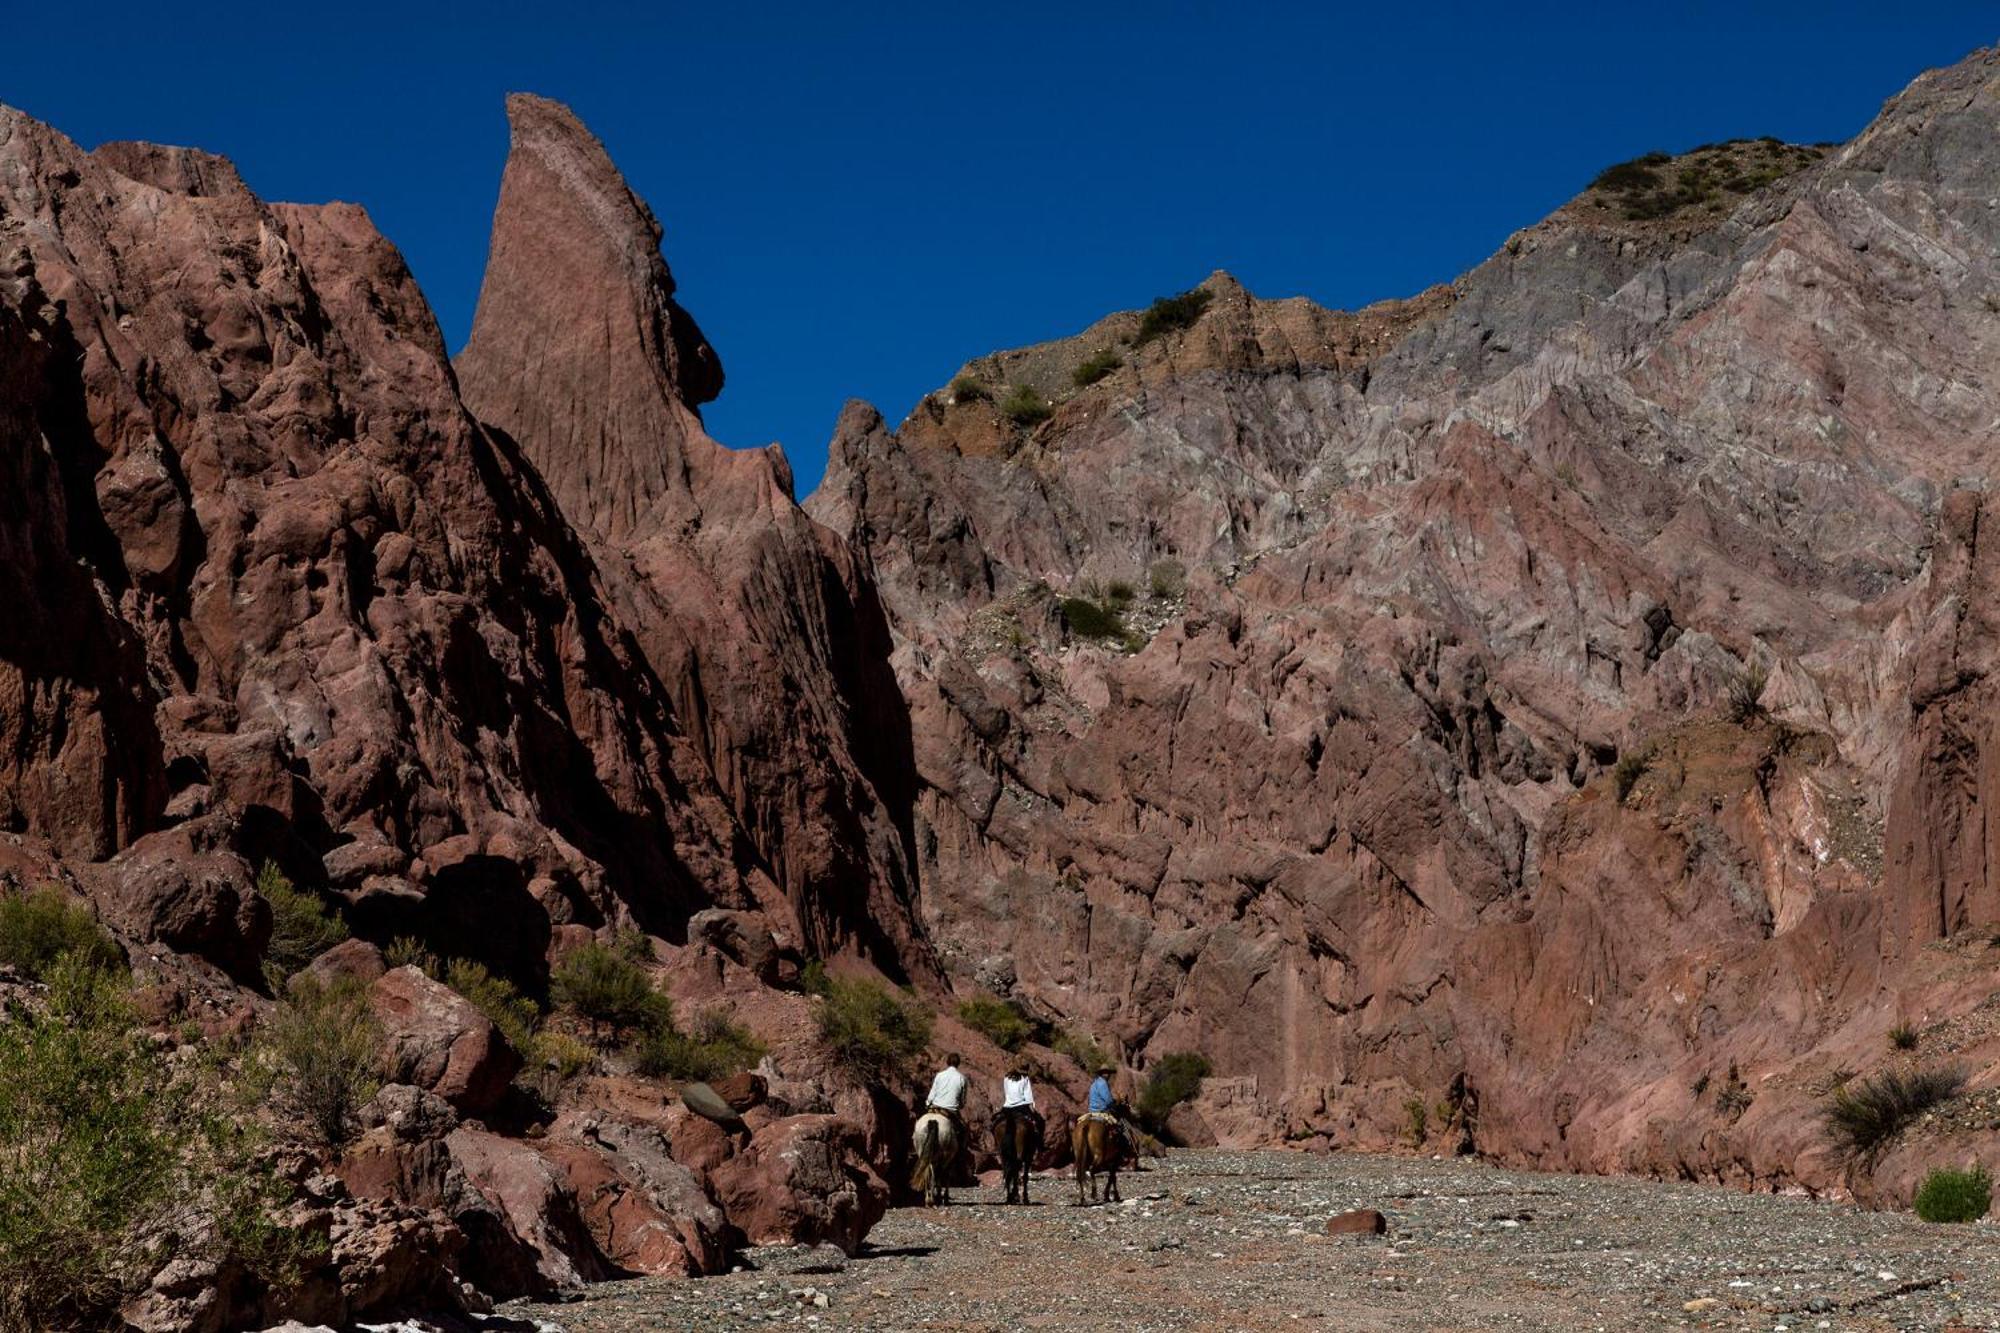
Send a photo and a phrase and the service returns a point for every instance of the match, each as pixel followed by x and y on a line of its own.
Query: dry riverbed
pixel 1218 1240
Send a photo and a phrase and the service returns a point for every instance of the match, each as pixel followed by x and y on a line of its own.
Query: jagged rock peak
pixel 578 348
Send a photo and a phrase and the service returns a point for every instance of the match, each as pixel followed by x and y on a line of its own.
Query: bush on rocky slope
pixel 320 1056
pixel 997 1021
pixel 302 926
pixel 869 1030
pixel 604 984
pixel 1095 367
pixel 38 928
pixel 1864 1117
pixel 1173 1079
pixel 1025 407
pixel 109 1154
pixel 1169 313
pixel 715 1046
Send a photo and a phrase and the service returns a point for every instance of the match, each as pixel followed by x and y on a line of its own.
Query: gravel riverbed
pixel 1236 1240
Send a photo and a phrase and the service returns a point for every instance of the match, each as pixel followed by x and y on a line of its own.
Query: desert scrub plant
pixel 1416 1121
pixel 1863 1117
pixel 1166 579
pixel 516 1016
pixel 1955 1196
pixel 408 951
pixel 1744 701
pixel 1903 1037
pixel 714 1046
pixel 110 1154
pixel 1631 767
pixel 38 928
pixel 997 1021
pixel 1169 313
pixel 1173 1079
pixel 1081 1048
pixel 1025 407
pixel 966 389
pixel 871 1031
pixel 1103 620
pixel 1095 367
pixel 302 927
pixel 320 1055
pixel 604 984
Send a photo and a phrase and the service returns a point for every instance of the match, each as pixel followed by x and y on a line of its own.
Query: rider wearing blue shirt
pixel 1100 1092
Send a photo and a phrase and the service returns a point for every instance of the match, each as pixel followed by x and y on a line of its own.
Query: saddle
pixel 1100 1117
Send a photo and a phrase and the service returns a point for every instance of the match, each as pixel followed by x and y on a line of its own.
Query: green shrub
pixel 301 926
pixel 1096 367
pixel 1416 1121
pixel 1955 1196
pixel 1863 1117
pixel 966 389
pixel 1630 177
pixel 1630 769
pixel 505 1007
pixel 38 928
pixel 1024 407
pixel 871 1031
pixel 406 951
pixel 1094 620
pixel 714 1048
pixel 321 1053
pixel 997 1021
pixel 1172 1080
pixel 1082 1049
pixel 1169 313
pixel 1120 593
pixel 1903 1037
pixel 605 985
pixel 109 1154
pixel 1167 579
pixel 1745 702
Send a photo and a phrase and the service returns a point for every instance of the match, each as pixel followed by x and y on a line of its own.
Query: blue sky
pixel 858 200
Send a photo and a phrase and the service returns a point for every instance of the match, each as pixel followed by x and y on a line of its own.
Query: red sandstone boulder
pixel 533 1214
pixel 802 1180
pixel 186 889
pixel 350 960
pixel 1359 1222
pixel 646 1211
pixel 437 1039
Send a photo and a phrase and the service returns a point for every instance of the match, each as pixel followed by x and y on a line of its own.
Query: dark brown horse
pixel 1098 1145
pixel 1019 1136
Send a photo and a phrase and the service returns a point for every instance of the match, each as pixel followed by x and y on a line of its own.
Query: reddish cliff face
pixel 269 570
pixel 1398 758
pixel 766 632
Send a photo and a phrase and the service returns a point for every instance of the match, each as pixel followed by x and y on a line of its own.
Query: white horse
pixel 935 1145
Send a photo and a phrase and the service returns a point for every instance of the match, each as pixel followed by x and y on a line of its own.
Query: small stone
pixel 1357 1222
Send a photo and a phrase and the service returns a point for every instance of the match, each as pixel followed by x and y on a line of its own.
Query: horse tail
pixel 927 1153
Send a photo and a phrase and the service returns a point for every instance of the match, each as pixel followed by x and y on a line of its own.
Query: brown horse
pixel 1019 1136
pixel 1098 1146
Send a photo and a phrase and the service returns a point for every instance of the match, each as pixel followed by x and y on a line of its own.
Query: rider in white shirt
pixel 1017 1097
pixel 947 1089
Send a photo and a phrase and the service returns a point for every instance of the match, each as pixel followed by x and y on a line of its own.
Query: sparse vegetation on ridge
pixel 1095 367
pixel 966 389
pixel 1168 314
pixel 1025 407
pixel 1657 184
pixel 996 1020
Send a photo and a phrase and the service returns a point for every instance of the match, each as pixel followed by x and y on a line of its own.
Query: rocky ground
pixel 1237 1240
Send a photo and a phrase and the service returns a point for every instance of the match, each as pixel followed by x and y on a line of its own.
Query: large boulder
pixel 802 1180
pixel 646 1212
pixel 530 1212
pixel 437 1039
pixel 187 889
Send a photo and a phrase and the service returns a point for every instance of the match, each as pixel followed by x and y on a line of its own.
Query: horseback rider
pixel 947 1097
pixel 1017 1097
pixel 1101 1101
